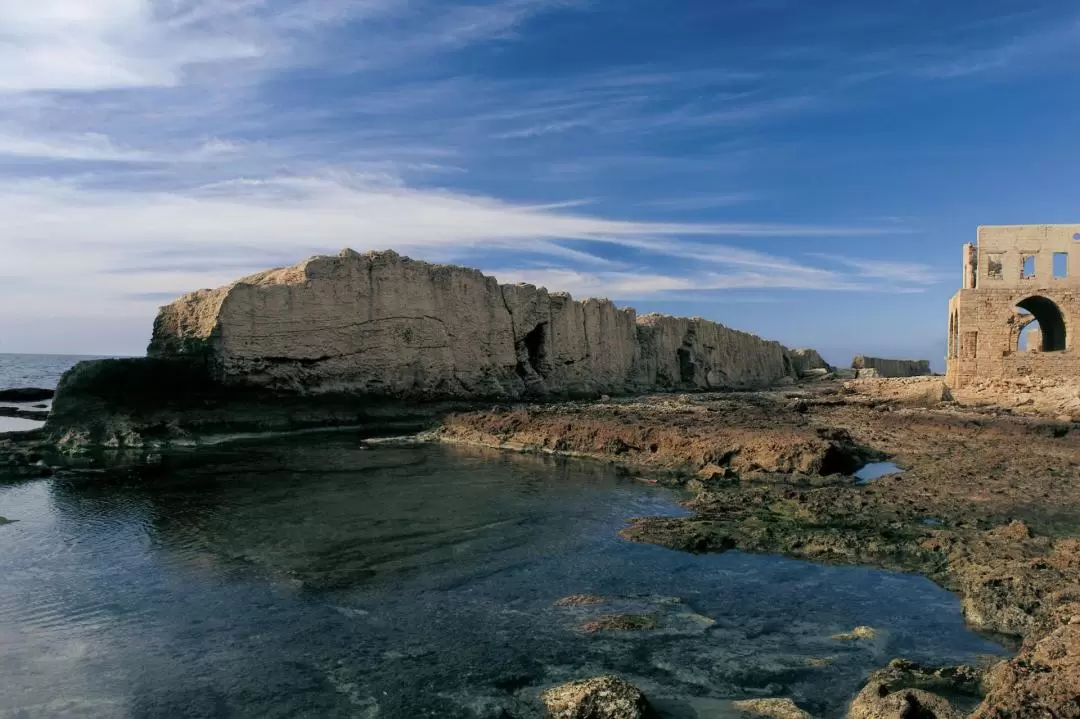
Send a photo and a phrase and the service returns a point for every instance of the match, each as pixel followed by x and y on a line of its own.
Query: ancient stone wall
pixel 1021 277
pixel 891 367
pixel 386 325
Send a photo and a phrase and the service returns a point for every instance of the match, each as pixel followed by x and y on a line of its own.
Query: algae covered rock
pixel 775 708
pixel 603 697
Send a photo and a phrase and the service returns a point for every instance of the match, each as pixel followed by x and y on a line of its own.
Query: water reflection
pixel 323 577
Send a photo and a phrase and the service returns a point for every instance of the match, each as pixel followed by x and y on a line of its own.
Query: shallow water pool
pixel 326 578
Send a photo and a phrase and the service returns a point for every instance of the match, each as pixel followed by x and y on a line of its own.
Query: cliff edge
pixel 379 323
pixel 380 341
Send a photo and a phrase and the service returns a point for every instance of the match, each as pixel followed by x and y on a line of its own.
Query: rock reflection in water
pixel 325 578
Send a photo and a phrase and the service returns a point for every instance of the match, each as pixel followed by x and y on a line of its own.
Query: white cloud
pixel 113 250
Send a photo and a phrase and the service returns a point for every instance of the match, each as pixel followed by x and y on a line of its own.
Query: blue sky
pixel 804 169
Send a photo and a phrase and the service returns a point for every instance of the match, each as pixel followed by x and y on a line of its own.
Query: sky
pixel 806 170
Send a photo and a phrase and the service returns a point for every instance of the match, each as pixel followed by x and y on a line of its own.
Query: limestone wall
pixel 891 367
pixel 382 324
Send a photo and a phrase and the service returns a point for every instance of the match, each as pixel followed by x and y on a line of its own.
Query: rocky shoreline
pixel 987 505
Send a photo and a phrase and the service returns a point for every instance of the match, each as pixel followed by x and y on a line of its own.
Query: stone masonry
pixel 891 367
pixel 1016 276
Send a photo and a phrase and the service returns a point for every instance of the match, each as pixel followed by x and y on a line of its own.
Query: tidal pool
pixel 322 577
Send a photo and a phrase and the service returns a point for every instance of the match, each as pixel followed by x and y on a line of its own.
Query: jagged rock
pixel 1042 681
pixel 605 697
pixel 383 324
pixel 25 394
pixel 876 701
pixel 903 690
pixel 806 360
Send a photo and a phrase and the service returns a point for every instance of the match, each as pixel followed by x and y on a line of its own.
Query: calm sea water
pixel 18 370
pixel 322 577
pixel 29 370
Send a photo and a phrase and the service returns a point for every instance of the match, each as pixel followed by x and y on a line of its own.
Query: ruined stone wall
pixel 986 338
pixel 1022 273
pixel 386 325
pixel 892 367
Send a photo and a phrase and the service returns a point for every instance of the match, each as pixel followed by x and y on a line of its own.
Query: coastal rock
pixel 604 697
pixel 771 708
pixel 25 394
pixel 385 325
pixel 1043 681
pixel 905 689
pixel 877 701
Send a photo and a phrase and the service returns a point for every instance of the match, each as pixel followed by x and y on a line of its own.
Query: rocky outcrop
pixel 905 689
pixel 806 361
pixel 25 394
pixel 606 697
pixel 891 367
pixel 384 342
pixel 382 324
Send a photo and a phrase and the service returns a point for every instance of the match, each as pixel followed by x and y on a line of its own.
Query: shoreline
pixel 987 506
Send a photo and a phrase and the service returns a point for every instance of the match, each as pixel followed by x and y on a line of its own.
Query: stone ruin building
pixel 1019 307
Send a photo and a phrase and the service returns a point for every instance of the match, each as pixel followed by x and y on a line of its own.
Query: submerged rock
pixel 771 708
pixel 578 600
pixel 856 633
pixel 621 623
pixel 604 697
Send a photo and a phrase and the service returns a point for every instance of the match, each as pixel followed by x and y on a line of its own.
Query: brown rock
pixel 772 708
pixel 620 623
pixel 877 701
pixel 604 697
pixel 578 600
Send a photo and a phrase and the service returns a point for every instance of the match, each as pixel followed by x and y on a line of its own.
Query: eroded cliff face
pixel 385 325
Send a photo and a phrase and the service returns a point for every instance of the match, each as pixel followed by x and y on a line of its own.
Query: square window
pixel 1027 267
pixel 993 267
pixel 1061 264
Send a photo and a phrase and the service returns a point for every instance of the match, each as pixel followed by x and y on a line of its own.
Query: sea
pixel 32 370
pixel 331 576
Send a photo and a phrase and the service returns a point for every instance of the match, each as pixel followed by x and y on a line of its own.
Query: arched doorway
pixel 1047 331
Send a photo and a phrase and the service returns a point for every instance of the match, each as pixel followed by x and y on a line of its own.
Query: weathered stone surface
pixel 1009 283
pixel 805 360
pixel 904 689
pixel 385 325
pixel 605 697
pixel 890 367
pixel 771 708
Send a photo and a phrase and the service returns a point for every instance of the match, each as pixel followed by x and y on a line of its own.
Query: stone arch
pixel 1051 321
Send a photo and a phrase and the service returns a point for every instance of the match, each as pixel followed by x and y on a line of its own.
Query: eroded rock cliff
pixel 382 324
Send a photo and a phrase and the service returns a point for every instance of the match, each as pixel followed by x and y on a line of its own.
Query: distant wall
pixel 892 367
pixel 383 324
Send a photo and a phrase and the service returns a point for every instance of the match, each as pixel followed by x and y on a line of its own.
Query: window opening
pixel 1061 264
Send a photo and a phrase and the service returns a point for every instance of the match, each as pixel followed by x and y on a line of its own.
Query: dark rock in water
pixel 25 394
pixel 605 697
pixel 145 403
pixel 38 415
